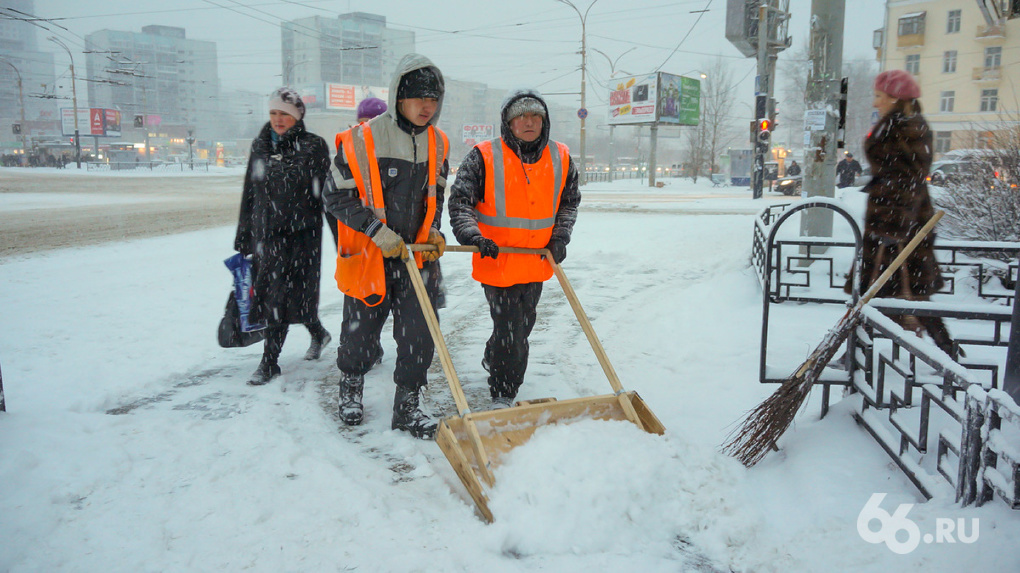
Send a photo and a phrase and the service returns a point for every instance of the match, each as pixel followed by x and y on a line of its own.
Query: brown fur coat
pixel 899 149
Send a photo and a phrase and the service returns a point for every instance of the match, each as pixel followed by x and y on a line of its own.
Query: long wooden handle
pixel 582 318
pixel 451 375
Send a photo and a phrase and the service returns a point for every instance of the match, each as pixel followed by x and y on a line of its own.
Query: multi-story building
pixel 355 48
pixel 159 74
pixel 961 52
pixel 21 59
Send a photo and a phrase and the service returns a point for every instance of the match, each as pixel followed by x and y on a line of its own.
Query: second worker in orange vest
pixel 516 191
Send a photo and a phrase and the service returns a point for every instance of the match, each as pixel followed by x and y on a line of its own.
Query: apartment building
pixel 23 62
pixel 965 55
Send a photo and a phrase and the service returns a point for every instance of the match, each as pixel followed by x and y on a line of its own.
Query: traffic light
pixel 139 121
pixel 764 131
pixel 16 129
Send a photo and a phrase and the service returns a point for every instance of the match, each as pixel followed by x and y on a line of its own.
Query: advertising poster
pixel 476 133
pixel 112 125
pixel 679 99
pixel 347 97
pixel 95 121
pixel 633 99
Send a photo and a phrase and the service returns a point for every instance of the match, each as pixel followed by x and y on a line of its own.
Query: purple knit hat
pixel 370 107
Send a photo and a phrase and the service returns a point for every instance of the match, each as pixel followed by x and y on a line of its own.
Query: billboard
pixel 679 99
pixel 94 121
pixel 472 134
pixel 347 97
pixel 655 98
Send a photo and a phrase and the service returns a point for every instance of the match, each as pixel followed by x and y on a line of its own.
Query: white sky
pixel 504 44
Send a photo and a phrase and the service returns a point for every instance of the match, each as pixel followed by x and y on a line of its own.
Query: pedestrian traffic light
pixel 764 130
pixel 16 129
pixel 139 121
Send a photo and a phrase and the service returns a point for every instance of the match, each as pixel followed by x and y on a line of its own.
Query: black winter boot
pixel 266 371
pixel 318 343
pixel 407 415
pixel 352 386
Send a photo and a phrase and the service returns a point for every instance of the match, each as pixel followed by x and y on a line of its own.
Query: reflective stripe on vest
pixel 501 219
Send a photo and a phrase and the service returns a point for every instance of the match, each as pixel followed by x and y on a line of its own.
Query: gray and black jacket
pixel 402 152
pixel 469 188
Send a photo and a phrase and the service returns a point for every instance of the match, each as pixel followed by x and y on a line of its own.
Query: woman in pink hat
pixel 899 149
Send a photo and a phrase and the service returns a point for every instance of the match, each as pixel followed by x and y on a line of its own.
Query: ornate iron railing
pixel 907 391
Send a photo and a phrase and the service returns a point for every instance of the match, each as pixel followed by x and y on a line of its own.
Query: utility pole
pixel 582 113
pixel 653 148
pixel 821 100
pixel 74 100
pixel 773 16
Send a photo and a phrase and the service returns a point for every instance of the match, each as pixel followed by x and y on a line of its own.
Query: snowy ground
pixel 131 442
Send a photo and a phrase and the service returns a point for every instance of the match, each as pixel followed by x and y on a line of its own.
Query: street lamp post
pixel 21 102
pixel 191 158
pixel 612 74
pixel 74 100
pixel 583 112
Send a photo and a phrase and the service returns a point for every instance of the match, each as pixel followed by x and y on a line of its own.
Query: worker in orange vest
pixel 390 178
pixel 516 191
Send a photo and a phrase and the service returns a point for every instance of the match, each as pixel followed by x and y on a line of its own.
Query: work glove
pixel 486 247
pixel 435 238
pixel 390 243
pixel 558 249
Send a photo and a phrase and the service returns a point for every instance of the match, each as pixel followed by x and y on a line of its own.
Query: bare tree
pixel 714 132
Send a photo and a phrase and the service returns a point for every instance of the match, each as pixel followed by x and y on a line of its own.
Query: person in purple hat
pixel 369 108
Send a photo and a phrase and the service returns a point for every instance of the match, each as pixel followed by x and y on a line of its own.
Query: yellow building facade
pixel 966 58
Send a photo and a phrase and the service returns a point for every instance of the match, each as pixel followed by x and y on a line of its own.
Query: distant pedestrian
pixel 847 170
pixel 899 149
pixel 280 228
pixel 793 169
pixel 519 190
pixel 369 108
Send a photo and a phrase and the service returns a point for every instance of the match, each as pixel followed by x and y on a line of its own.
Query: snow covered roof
pixel 912 15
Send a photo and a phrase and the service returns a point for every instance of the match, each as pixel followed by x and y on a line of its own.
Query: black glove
pixel 486 247
pixel 558 249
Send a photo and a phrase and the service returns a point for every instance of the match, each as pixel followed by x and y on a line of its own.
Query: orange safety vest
pixel 359 263
pixel 519 210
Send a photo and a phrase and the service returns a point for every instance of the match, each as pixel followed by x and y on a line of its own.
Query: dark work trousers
pixel 362 327
pixel 513 316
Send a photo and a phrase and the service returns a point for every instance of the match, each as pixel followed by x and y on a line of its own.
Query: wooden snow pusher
pixel 475 442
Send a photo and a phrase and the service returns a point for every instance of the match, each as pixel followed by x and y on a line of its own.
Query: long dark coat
pixel 280 223
pixel 899 149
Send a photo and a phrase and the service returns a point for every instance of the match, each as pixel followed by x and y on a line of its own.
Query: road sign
pixel 582 113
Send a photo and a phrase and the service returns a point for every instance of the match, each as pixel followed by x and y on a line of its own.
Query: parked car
pixel 962 172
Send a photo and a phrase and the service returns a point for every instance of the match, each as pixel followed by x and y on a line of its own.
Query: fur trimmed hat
pixel 898 84
pixel 523 106
pixel 419 83
pixel 288 101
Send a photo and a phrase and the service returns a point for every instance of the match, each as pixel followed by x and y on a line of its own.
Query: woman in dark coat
pixel 899 149
pixel 280 227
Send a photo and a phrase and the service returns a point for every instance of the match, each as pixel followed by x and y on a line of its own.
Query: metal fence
pixel 907 394
pixel 163 166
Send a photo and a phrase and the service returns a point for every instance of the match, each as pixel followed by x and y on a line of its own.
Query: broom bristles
pixel 768 421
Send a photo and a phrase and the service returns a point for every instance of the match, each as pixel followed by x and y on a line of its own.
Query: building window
pixel 947 101
pixel 949 62
pixel 943 139
pixel 989 100
pixel 993 57
pixel 914 64
pixel 953 23
pixel 911 24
